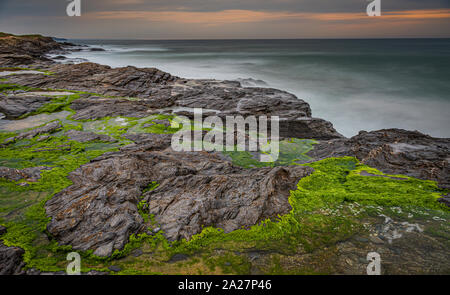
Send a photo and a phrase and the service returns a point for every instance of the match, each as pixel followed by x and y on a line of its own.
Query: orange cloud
pixel 250 16
pixel 391 15
pixel 219 17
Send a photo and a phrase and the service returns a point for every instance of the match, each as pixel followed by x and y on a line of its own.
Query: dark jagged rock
pixel 84 136
pixel 394 151
pixel 95 78
pixel 11 262
pixel 159 92
pixel 99 210
pixel 96 49
pixel 26 50
pixel 14 106
pixel 32 174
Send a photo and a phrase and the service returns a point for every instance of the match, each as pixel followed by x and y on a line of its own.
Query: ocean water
pixel 355 84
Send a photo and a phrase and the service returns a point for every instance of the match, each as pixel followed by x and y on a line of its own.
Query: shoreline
pixel 335 86
pixel 110 186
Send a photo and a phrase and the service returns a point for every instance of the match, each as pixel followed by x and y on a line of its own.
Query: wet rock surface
pixel 394 151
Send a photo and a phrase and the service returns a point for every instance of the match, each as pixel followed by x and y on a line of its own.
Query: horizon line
pixel 252 39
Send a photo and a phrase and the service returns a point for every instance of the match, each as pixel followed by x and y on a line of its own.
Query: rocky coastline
pixel 130 183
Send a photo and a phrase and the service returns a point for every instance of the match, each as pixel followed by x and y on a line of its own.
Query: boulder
pixel 99 211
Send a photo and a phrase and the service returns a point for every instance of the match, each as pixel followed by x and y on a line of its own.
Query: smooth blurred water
pixel 355 84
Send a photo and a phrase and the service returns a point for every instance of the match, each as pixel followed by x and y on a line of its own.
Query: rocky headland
pixel 87 165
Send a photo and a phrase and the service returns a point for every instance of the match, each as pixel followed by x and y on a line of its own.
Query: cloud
pixel 179 19
pixel 249 16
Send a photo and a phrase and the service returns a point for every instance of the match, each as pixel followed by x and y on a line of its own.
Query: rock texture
pixel 32 174
pixel 394 151
pixel 14 106
pixel 160 92
pixel 10 258
pixel 26 50
pixel 84 136
pixel 99 211
pixel 48 128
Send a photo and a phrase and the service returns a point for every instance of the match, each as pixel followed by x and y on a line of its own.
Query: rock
pixel 178 257
pixel 159 92
pixel 96 49
pixel 48 128
pixel 43 138
pixel 445 200
pixel 361 239
pixel 250 82
pixel 11 262
pixel 14 106
pixel 394 151
pixel 32 174
pixel 114 268
pixel 156 230
pixel 2 230
pixel 96 273
pixel 376 240
pixel 33 272
pixel 25 50
pixel 89 109
pixel 166 123
pixel 137 253
pixel 83 136
pixel 95 78
pixel 196 190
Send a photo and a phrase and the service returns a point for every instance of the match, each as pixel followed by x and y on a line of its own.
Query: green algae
pixel 323 205
pixel 291 152
pixel 59 103
pixel 326 209
pixel 27 227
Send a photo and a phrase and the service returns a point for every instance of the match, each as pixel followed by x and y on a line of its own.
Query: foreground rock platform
pixel 99 211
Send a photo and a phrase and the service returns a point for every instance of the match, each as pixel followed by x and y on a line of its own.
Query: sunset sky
pixel 227 19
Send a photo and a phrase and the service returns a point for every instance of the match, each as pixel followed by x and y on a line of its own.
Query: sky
pixel 227 19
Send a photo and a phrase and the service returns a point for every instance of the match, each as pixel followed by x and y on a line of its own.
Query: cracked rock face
pixel 394 151
pixel 99 211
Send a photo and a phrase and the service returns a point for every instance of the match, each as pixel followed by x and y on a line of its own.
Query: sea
pixel 357 84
